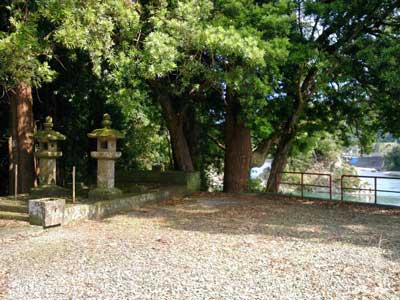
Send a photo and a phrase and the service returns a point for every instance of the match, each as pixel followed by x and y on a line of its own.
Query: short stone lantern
pixel 47 153
pixel 106 155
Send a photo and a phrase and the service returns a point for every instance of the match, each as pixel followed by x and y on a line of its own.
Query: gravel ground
pixel 209 247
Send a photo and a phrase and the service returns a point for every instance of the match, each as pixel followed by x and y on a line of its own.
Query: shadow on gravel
pixel 282 218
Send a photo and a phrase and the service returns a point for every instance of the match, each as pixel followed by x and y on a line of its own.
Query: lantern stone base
pixel 46 212
pixel 49 190
pixel 104 193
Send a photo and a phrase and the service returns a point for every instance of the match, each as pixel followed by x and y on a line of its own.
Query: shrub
pixel 392 159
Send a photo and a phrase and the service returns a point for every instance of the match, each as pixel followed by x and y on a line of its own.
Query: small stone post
pixel 106 155
pixel 47 154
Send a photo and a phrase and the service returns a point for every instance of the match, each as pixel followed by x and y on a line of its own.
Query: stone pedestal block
pixel 106 174
pixel 46 212
pixel 48 170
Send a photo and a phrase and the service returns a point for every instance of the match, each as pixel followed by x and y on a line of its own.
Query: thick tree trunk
pixel 192 134
pixel 22 142
pixel 237 153
pixel 179 143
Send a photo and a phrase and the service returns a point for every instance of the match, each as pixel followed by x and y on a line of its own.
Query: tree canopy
pixel 201 84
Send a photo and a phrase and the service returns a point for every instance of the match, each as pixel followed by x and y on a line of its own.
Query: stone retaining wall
pixel 191 180
pixel 168 184
pixel 100 209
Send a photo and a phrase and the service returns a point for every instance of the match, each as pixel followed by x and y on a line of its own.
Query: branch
pixel 299 17
pixel 314 28
pixel 308 81
pixel 202 88
pixel 350 32
pixel 60 62
pixel 262 150
pixel 216 142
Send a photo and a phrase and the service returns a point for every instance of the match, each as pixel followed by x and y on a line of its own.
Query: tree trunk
pixel 180 148
pixel 284 146
pixel 192 134
pixel 260 154
pixel 22 142
pixel 279 162
pixel 237 152
pixel 304 89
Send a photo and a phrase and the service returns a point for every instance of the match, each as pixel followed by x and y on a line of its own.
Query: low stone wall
pixel 166 185
pixel 191 180
pixel 100 209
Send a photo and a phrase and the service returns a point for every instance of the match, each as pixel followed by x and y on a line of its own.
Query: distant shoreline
pixel 373 170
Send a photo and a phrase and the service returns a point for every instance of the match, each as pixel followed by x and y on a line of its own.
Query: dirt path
pixel 210 247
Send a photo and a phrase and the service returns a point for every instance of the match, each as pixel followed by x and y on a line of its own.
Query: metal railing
pixel 375 189
pixel 302 184
pixel 329 186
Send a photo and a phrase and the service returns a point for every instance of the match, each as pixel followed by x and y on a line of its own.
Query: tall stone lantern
pixel 106 155
pixel 47 153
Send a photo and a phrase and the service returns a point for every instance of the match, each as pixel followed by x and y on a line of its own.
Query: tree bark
pixel 304 89
pixel 22 142
pixel 237 152
pixel 279 162
pixel 263 149
pixel 192 133
pixel 175 124
pixel 285 143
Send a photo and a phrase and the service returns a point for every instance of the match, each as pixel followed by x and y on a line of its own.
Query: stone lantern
pixel 106 155
pixel 47 154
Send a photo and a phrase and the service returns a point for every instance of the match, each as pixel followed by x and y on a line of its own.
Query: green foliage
pixel 256 185
pixel 21 47
pixel 146 142
pixel 193 44
pixel 91 25
pixel 322 154
pixel 119 56
pixel 392 160
pixel 35 30
pixel 384 148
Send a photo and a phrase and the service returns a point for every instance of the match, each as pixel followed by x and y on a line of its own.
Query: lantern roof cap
pixel 106 131
pixel 48 134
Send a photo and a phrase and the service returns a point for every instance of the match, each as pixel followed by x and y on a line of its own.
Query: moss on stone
pixel 48 134
pixel 49 190
pixel 106 131
pixel 35 220
pixel 191 180
pixel 104 194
